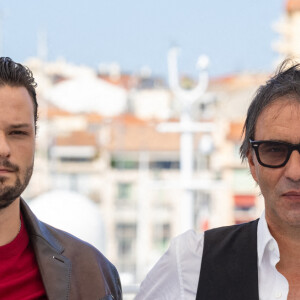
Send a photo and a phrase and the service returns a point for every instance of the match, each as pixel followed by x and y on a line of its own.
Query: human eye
pixel 18 133
pixel 273 148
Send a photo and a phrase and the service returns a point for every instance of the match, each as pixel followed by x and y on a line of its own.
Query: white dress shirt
pixel 176 274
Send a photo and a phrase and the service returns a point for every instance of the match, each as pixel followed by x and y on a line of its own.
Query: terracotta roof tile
pixel 77 138
pixel 235 131
pixel 94 118
pixel 134 137
pixel 239 81
pixel 128 119
pixel 292 5
pixel 124 80
pixel 53 111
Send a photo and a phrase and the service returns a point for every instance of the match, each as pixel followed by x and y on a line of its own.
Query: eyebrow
pixel 22 125
pixel 280 141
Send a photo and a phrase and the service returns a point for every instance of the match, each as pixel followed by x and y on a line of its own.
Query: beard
pixel 9 193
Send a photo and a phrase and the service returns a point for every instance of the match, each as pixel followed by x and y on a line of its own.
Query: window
pixel 244 201
pixel 126 239
pixel 161 235
pixel 165 164
pixel 126 244
pixel 124 195
pixel 124 190
pixel 124 164
pixel 202 210
pixel 244 208
pixel 76 159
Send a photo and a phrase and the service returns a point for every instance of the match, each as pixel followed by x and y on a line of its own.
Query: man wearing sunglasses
pixel 259 260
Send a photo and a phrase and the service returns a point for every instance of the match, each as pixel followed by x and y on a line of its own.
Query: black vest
pixel 229 264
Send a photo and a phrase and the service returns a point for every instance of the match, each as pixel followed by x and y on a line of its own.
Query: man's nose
pixel 4 146
pixel 292 168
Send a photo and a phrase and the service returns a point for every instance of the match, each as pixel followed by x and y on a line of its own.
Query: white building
pixel 288 28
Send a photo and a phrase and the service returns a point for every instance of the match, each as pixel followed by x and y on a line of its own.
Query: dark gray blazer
pixel 70 268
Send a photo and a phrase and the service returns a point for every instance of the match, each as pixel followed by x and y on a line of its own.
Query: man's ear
pixel 252 164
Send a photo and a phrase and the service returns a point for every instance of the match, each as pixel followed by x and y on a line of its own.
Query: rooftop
pixel 292 5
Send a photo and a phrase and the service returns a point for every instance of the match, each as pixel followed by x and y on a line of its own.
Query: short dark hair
pixel 285 82
pixel 16 75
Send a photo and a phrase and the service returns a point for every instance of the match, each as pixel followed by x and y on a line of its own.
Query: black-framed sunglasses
pixel 273 154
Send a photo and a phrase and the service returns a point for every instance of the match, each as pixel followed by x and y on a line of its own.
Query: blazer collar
pixel 55 268
pixel 37 228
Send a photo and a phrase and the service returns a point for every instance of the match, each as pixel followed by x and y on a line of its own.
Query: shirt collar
pixel 265 241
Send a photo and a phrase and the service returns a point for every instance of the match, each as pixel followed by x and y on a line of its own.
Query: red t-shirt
pixel 19 273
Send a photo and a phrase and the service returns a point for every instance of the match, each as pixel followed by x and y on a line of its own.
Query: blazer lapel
pixel 55 269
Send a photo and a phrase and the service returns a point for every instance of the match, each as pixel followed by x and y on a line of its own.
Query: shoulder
pixel 186 246
pixel 231 233
pixel 86 259
pixel 233 228
pixel 178 270
pixel 75 247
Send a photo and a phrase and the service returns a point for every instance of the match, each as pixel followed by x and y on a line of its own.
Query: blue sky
pixel 235 34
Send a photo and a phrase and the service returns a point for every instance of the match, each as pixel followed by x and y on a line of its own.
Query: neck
pixel 288 240
pixel 9 222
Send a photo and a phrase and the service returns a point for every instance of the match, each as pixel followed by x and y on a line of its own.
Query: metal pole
pixel 186 174
pixel 186 98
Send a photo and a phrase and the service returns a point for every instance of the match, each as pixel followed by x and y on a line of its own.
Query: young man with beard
pixel 37 261
pixel 260 259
